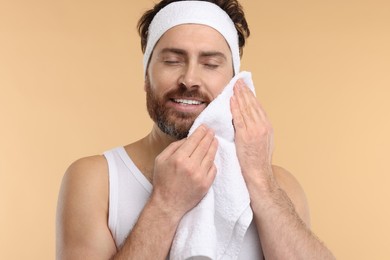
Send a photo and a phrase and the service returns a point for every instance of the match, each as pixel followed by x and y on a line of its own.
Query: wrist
pixel 268 196
pixel 260 183
pixel 164 210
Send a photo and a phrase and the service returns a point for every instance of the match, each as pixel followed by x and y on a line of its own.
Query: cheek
pixel 218 85
pixel 161 84
pixel 156 71
pixel 163 81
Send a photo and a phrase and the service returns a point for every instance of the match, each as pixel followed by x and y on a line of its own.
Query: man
pixel 128 203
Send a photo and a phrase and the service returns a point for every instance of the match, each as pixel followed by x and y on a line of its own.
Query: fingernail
pixel 203 127
pixel 240 83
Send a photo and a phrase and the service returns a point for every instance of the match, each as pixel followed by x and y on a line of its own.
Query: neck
pixel 144 152
pixel 157 141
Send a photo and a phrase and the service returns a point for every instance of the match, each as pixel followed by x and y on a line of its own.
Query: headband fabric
pixel 193 12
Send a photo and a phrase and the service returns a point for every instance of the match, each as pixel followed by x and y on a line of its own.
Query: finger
pixel 247 102
pixel 209 157
pixel 238 120
pixel 211 174
pixel 241 101
pixel 241 95
pixel 253 101
pixel 250 107
pixel 190 144
pixel 203 147
pixel 209 165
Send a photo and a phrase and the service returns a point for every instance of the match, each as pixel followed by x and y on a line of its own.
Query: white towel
pixel 215 228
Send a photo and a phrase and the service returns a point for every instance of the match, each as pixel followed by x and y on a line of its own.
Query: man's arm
pixel 282 223
pixel 285 207
pixel 82 231
pixel 183 174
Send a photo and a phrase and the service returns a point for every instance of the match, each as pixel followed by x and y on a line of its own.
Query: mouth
pixel 187 105
pixel 187 101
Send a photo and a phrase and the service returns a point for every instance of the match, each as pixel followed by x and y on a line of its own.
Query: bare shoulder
pixel 294 190
pixel 87 176
pixel 82 230
pixel 93 168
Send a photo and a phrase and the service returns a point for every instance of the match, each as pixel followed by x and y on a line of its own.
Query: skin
pixel 182 172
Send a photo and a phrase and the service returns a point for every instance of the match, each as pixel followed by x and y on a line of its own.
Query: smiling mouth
pixel 187 101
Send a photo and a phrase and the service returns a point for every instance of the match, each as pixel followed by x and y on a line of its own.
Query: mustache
pixel 183 92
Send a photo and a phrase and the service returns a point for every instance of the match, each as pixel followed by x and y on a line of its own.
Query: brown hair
pixel 231 7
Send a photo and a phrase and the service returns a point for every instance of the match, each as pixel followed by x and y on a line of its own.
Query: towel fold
pixel 215 228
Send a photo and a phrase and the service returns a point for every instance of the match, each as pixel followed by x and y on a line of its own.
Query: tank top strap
pixel 113 191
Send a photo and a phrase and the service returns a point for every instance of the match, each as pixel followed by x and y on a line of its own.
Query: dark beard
pixel 173 123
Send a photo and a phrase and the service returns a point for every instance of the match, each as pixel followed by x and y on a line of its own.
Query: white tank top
pixel 129 192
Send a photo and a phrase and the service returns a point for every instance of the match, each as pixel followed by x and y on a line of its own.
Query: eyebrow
pixel 202 53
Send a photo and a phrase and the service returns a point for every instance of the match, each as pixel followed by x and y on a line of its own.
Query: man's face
pixel 189 67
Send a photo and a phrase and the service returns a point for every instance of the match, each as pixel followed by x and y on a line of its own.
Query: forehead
pixel 194 37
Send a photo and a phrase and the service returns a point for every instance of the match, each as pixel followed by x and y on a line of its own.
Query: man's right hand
pixel 184 172
pixel 182 175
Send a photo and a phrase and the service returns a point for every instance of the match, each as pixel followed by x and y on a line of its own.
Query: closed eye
pixel 211 66
pixel 171 62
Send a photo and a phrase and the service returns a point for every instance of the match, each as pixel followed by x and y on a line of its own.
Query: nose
pixel 190 76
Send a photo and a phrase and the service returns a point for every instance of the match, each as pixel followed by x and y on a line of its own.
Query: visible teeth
pixel 188 102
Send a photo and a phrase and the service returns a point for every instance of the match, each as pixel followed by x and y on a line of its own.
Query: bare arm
pixel 289 236
pixel 152 235
pixel 82 231
pixel 282 222
pixel 183 174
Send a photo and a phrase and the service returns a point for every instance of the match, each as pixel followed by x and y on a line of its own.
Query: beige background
pixel 71 86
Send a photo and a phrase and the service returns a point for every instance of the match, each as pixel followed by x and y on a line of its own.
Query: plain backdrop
pixel 71 86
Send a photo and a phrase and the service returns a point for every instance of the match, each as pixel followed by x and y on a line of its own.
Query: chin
pixel 175 129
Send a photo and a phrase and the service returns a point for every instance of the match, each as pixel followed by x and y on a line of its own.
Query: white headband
pixel 193 12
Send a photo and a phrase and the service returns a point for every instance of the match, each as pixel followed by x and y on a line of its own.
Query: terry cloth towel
pixel 215 228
